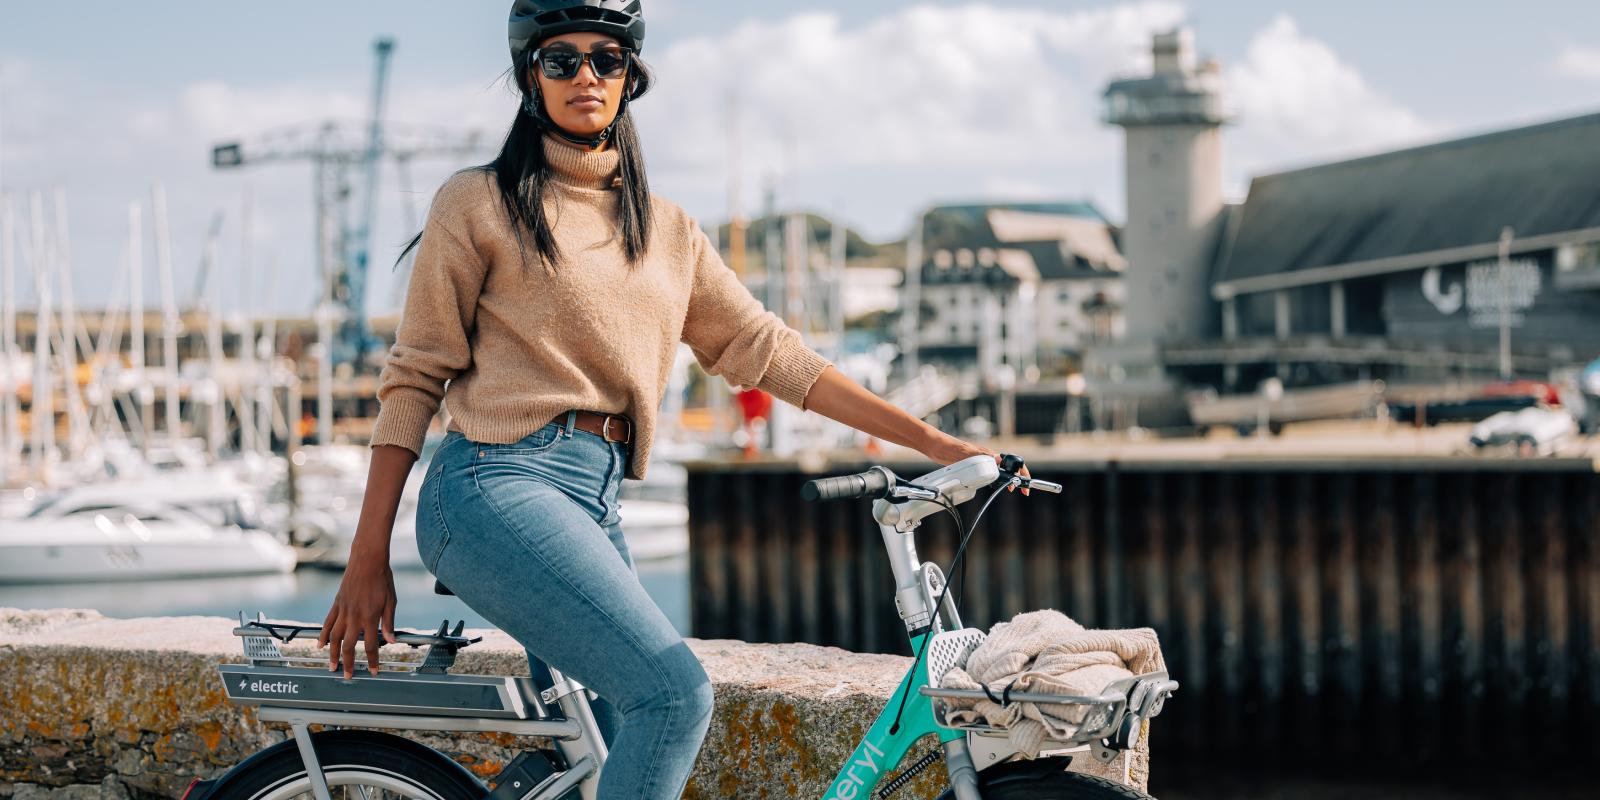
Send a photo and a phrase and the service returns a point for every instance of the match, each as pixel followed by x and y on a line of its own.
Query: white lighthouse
pixel 1173 163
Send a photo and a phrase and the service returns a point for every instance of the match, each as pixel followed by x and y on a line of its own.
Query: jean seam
pixel 638 646
pixel 650 771
pixel 444 528
pixel 610 508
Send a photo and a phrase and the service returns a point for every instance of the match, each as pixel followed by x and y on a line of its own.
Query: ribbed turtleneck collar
pixel 584 168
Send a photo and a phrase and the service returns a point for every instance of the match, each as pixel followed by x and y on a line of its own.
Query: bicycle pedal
pixel 519 778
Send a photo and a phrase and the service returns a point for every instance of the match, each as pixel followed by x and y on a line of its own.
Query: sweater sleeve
pixel 732 335
pixel 431 345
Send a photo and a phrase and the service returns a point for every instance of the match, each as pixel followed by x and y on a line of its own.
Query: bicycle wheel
pixel 1046 779
pixel 359 765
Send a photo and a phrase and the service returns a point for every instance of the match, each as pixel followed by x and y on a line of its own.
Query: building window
pixel 1578 266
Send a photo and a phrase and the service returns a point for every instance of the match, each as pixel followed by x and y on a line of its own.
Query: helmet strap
pixel 533 106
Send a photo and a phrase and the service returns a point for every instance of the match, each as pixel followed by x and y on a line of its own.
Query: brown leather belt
pixel 610 427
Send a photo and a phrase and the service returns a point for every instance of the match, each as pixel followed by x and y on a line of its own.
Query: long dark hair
pixel 521 171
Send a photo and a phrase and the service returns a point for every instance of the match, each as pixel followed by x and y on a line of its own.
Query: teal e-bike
pixel 346 759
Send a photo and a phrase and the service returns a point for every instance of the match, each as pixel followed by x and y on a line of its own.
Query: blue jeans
pixel 527 535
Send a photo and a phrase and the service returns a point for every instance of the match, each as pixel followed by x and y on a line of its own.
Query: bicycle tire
pixel 1046 779
pixel 350 757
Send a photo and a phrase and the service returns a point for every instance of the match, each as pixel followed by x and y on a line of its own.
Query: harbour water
pixel 305 595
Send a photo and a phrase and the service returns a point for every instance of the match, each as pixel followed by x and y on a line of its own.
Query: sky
pixel 869 111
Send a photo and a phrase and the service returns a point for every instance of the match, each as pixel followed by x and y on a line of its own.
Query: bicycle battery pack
pixel 397 692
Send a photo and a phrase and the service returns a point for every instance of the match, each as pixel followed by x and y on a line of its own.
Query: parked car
pixel 1474 409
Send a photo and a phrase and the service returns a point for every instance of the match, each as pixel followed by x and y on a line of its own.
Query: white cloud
pixel 1297 100
pixel 932 87
pixel 1582 63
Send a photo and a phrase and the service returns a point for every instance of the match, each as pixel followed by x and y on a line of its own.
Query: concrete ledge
pixel 131 708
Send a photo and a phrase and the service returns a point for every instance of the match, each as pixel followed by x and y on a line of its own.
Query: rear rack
pixel 407 694
pixel 261 639
pixel 1111 721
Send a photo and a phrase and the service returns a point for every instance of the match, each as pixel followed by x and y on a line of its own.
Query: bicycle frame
pixel 883 747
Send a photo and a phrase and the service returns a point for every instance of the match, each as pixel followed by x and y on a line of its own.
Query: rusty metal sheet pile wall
pixel 1437 609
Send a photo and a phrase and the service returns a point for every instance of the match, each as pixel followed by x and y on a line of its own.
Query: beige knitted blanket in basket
pixel 1046 651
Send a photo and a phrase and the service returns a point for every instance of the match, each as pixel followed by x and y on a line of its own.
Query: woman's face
pixel 585 103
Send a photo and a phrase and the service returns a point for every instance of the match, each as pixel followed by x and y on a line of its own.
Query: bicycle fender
pixel 416 750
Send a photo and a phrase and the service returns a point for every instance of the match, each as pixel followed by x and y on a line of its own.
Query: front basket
pixel 1111 721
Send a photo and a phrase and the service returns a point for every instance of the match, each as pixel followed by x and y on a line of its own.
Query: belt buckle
pixel 605 429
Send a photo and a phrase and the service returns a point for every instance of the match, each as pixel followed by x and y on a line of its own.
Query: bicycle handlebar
pixel 880 483
pixel 875 482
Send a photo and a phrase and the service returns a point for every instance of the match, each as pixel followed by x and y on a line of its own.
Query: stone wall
pixel 132 708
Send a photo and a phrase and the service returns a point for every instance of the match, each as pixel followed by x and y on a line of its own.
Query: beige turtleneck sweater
pixel 507 347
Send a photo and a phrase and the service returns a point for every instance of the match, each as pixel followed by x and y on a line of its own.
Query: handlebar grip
pixel 872 483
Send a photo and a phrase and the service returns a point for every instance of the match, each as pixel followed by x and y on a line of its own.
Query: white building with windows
pixel 1018 289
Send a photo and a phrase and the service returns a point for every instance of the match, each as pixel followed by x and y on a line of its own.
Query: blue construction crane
pixel 345 157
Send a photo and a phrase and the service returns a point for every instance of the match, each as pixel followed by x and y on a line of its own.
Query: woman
pixel 549 293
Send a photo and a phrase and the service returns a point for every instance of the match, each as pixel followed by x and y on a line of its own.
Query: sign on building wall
pixel 1458 305
pixel 1482 288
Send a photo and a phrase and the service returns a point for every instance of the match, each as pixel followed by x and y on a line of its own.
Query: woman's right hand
pixel 362 610
pixel 364 607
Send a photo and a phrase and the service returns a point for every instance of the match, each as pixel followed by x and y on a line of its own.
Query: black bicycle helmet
pixel 533 21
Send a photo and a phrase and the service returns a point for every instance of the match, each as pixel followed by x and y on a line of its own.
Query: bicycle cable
pixel 955 564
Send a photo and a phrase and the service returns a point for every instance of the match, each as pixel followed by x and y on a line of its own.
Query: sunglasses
pixel 563 63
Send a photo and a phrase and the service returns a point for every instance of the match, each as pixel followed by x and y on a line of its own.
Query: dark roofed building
pixel 1415 207
pixel 1389 264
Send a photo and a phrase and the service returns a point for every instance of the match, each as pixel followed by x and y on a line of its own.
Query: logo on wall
pixel 1447 302
pixel 1485 291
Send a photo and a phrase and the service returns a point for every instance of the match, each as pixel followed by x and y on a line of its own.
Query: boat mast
pixel 246 371
pixel 172 325
pixel 77 422
pixel 11 432
pixel 217 395
pixel 136 322
pixel 41 403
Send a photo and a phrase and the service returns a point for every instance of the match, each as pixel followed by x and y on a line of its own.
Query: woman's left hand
pixel 948 450
pixel 843 400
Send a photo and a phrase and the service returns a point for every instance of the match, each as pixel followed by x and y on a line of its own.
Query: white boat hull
pixel 43 562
